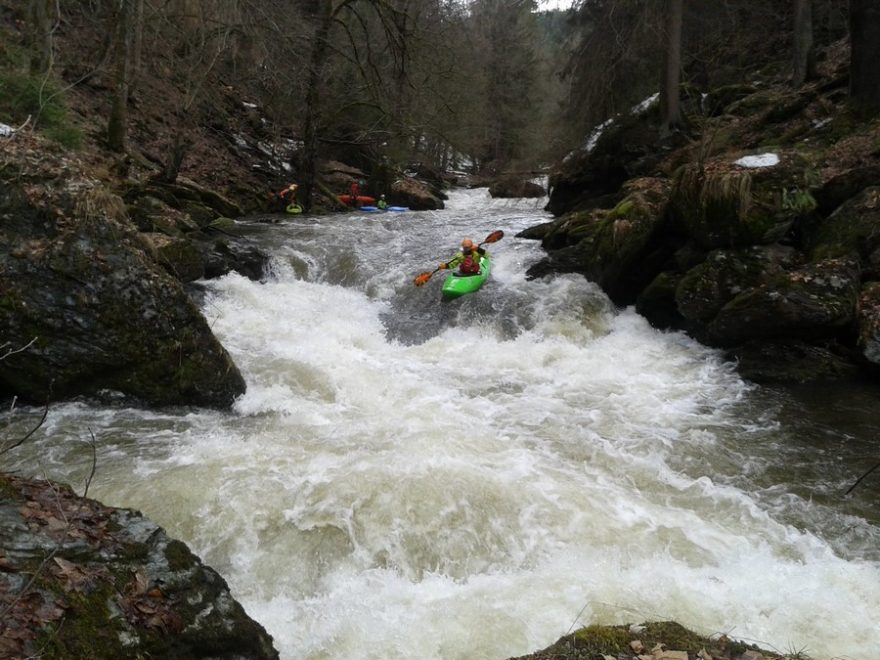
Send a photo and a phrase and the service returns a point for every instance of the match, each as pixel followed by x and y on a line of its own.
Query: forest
pixel 698 248
pixel 486 86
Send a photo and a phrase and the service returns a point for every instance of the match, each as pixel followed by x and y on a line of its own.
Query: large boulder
pixel 95 312
pixel 721 204
pixel 81 580
pixel 619 149
pixel 706 288
pixel 511 187
pixel 816 301
pixel 854 228
pixel 415 194
pixel 616 248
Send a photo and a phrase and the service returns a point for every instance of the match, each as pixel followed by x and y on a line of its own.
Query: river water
pixel 406 478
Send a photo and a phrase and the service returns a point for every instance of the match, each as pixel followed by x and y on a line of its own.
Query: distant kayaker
pixel 354 191
pixel 289 193
pixel 468 260
pixel 382 204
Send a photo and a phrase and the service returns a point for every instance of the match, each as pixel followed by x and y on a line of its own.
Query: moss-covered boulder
pixel 724 205
pixel 624 147
pixel 818 300
pixel 615 248
pixel 662 640
pixel 95 312
pixel 180 257
pixel 81 580
pixel 706 288
pixel 854 228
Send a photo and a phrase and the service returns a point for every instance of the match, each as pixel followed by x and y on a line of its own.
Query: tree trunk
pixel 864 76
pixel 42 14
pixel 804 65
pixel 670 103
pixel 137 43
pixel 309 160
pixel 182 144
pixel 117 124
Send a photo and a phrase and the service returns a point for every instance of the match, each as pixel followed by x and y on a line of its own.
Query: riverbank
pixel 754 228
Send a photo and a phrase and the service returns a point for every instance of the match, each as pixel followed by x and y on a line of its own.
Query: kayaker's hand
pixel 443 266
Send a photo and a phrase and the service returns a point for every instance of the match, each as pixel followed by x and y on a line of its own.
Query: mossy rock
pixel 706 288
pixel 597 641
pixel 722 204
pixel 852 228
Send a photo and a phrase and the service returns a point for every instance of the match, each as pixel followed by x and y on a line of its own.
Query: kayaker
pixel 382 204
pixel 468 260
pixel 354 192
pixel 289 193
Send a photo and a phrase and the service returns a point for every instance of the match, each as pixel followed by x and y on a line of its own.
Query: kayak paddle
pixel 494 237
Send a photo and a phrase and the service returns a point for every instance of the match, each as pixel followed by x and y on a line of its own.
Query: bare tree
pixel 804 64
pixel 670 90
pixel 42 20
pixel 864 76
pixel 117 124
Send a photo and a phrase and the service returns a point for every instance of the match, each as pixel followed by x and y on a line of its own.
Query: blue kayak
pixel 373 209
pixel 457 285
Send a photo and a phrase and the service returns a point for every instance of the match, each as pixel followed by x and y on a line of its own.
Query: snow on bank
pixel 759 160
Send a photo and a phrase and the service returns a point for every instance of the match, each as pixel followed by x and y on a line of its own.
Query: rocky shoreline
pixel 82 580
pixel 763 241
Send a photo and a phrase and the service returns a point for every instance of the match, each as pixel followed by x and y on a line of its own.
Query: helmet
pixel 467 244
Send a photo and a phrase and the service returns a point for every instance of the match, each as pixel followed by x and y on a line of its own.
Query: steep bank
pixel 755 229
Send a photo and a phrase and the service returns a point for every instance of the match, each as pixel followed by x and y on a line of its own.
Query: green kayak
pixel 457 285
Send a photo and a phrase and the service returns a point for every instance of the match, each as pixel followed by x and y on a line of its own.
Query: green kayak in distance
pixel 457 285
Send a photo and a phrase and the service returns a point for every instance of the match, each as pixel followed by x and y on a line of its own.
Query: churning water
pixel 406 478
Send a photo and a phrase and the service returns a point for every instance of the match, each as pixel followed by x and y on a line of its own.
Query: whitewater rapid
pixel 406 478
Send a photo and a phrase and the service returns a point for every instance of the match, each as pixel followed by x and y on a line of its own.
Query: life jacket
pixel 470 266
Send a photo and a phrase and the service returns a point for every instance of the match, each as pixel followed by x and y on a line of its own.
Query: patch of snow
pixel 596 133
pixel 5 130
pixel 759 160
pixel 252 106
pixel 644 105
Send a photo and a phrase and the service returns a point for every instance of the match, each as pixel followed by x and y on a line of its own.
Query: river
pixel 407 478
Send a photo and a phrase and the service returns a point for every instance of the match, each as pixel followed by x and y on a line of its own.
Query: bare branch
pixel 94 463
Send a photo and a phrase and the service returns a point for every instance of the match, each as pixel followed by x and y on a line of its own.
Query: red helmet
pixel 467 244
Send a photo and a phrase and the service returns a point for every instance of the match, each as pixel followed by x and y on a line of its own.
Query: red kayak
pixel 362 200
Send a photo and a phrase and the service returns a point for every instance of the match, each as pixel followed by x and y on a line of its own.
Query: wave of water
pixel 408 478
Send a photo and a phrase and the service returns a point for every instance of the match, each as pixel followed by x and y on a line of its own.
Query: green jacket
pixel 459 257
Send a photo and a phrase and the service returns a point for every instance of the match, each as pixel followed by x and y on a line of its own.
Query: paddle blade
pixel 421 279
pixel 494 237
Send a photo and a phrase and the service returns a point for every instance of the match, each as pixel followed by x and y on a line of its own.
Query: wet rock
pixel 516 188
pixel 414 194
pixel 97 313
pixel 83 580
pixel 854 228
pixel 818 300
pixel 706 288
pixel 623 148
pixel 178 256
pixel 616 248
